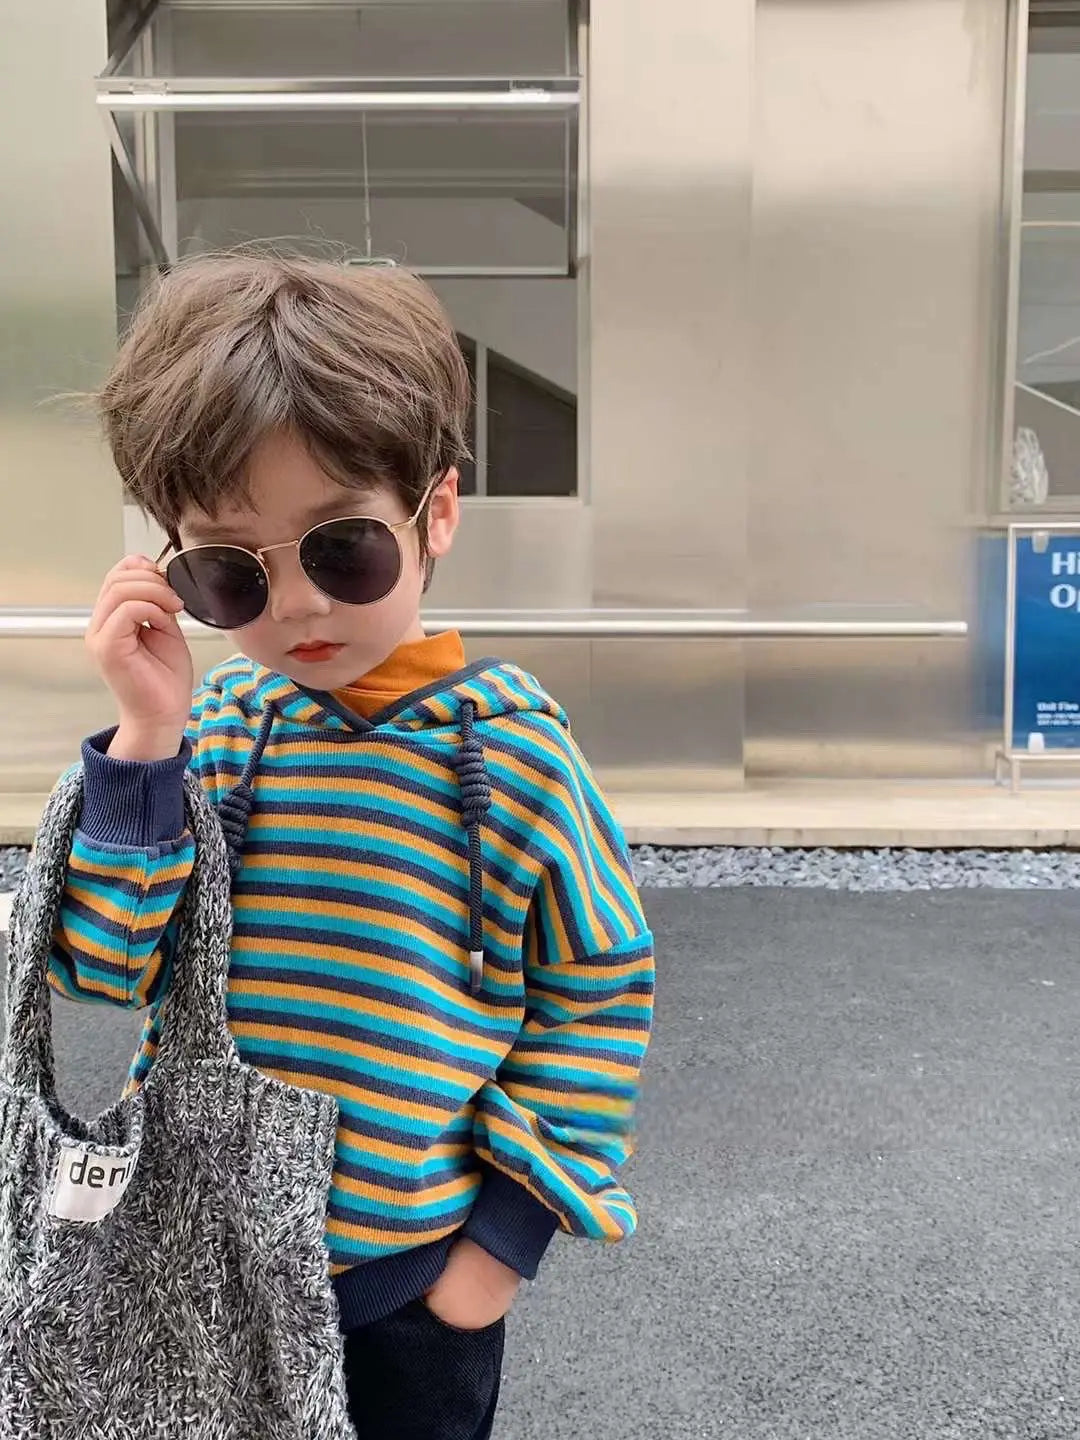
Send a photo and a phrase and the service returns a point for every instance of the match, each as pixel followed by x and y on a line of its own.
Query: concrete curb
pixel 804 814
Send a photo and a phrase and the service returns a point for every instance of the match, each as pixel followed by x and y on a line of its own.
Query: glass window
pixel 468 467
pixel 441 192
pixel 532 433
pixel 390 38
pixel 403 141
pixel 1045 460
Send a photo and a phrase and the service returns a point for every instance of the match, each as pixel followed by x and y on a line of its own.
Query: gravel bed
pixel 729 866
pixel 725 866
pixel 12 864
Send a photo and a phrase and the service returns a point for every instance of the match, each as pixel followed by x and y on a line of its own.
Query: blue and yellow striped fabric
pixel 350 951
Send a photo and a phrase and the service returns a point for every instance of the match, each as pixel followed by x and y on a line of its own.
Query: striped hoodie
pixel 434 921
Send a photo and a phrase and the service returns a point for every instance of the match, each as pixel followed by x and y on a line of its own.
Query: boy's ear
pixel 444 514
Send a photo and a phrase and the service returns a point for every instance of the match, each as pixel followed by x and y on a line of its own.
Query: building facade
pixel 772 308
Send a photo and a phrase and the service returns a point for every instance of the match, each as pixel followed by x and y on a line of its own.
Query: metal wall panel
pixel 842 709
pixel 668 105
pixel 61 502
pixel 876 243
pixel 57 308
pixel 789 295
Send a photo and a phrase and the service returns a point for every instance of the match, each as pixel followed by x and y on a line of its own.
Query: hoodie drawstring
pixel 234 809
pixel 475 803
pixel 234 812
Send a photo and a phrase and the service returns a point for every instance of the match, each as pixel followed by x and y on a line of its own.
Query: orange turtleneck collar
pixel 411 667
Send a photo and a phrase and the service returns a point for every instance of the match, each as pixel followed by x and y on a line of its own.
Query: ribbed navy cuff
pixel 133 803
pixel 377 1288
pixel 509 1224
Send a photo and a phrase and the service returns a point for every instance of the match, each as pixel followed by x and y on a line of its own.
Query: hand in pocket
pixel 474 1291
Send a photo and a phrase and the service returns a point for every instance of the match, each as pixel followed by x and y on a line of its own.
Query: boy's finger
pixel 138 586
pixel 129 565
pixel 148 580
pixel 125 623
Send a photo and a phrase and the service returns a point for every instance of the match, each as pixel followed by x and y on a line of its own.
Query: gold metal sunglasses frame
pixel 394 529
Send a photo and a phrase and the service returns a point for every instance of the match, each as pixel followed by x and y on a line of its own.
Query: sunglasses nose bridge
pixel 281 545
pixel 292 592
pixel 276 569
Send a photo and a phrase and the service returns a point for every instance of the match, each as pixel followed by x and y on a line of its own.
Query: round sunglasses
pixel 356 560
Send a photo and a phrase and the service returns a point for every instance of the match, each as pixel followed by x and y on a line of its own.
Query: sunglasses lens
pixel 354 561
pixel 219 585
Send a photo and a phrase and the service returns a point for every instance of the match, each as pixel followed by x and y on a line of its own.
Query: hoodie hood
pixel 490 688
pixel 453 706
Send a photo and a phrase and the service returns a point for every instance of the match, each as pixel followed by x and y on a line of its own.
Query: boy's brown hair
pixel 360 363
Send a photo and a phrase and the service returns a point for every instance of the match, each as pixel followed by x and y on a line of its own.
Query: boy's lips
pixel 314 650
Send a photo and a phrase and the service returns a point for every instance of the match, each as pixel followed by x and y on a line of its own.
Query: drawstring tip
pixel 476 971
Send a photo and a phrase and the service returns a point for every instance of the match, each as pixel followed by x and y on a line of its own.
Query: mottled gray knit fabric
pixel 200 1305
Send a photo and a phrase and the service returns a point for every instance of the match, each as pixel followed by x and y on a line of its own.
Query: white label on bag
pixel 89 1185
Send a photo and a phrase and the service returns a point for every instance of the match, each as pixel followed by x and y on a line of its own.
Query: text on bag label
pixel 89 1185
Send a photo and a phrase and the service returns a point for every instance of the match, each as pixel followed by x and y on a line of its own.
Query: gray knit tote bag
pixel 163 1271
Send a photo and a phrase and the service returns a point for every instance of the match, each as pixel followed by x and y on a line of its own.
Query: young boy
pixel 434 916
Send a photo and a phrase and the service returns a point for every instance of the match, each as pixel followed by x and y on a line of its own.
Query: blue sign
pixel 1046 637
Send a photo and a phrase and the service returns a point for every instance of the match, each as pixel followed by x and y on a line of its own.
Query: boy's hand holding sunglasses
pixel 135 638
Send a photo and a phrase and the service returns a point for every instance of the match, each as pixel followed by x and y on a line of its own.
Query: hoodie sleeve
pixel 130 861
pixel 557 1122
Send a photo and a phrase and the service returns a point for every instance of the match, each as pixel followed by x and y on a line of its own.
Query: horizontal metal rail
pixel 25 624
pixel 165 95
pixel 437 86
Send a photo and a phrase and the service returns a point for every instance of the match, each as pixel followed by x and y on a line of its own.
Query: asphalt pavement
pixel 858 1181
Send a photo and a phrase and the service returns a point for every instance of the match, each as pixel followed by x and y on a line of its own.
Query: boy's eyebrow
pixel 211 533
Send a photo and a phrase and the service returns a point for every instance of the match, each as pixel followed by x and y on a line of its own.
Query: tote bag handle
pixel 194 1015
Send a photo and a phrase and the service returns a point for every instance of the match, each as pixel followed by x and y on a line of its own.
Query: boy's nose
pixel 292 595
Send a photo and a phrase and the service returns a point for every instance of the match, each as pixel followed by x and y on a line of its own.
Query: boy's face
pixel 290 494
